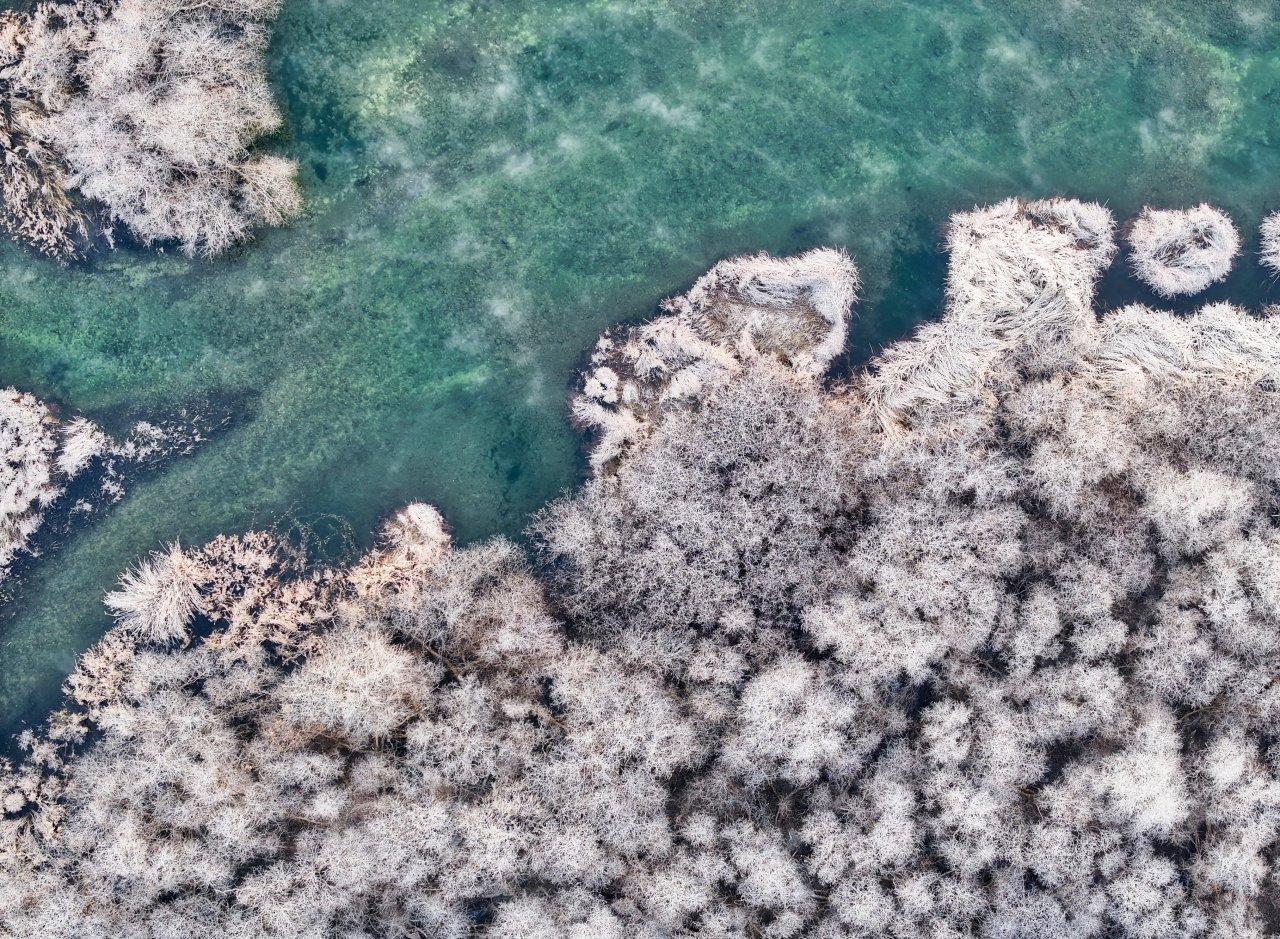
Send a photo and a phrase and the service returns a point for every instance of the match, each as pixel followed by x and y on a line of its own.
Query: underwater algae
pixel 489 184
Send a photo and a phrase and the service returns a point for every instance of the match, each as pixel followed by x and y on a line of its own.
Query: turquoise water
pixel 489 184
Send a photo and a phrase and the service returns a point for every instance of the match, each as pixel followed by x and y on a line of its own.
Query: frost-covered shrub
pixel 983 645
pixel 27 446
pixel 139 112
pixel 40 457
pixel 1182 251
pixel 157 599
pixel 789 311
pixel 1270 231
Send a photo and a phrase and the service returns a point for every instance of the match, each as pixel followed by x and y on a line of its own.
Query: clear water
pixel 492 183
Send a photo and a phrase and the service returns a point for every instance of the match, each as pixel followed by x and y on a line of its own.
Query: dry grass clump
pixel 139 112
pixel 158 598
pixel 796 309
pixel 1182 251
pixel 1021 278
pixel 1270 253
pixel 82 440
pixel 956 651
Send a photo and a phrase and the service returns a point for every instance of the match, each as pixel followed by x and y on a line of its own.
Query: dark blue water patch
pixel 1249 285
pixel 320 127
pixel 917 271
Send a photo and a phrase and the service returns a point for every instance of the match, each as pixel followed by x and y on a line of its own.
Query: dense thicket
pixel 983 645
pixel 139 112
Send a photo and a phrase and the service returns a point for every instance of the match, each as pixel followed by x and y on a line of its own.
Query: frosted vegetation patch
pixel 41 457
pixel 792 310
pixel 27 470
pixel 1270 253
pixel 1182 251
pixel 139 112
pixel 157 599
pixel 982 644
pixel 1021 276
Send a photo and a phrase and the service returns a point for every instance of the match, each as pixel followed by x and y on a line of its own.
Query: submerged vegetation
pixel 138 112
pixel 983 643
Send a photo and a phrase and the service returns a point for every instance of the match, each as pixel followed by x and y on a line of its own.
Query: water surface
pixel 489 184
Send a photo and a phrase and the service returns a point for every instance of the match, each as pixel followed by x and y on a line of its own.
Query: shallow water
pixel 490 184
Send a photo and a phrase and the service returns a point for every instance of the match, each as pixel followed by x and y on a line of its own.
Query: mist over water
pixel 491 184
